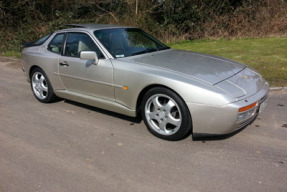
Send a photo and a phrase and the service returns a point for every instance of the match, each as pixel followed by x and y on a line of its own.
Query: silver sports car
pixel 125 70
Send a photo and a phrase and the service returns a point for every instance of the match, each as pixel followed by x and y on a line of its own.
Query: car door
pixel 82 76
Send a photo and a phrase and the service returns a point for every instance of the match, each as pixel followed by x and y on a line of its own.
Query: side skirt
pixel 95 102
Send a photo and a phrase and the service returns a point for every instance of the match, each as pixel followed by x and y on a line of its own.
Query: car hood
pixel 204 67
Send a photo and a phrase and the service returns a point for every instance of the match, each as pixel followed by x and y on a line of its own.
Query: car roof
pixel 90 27
pixel 95 26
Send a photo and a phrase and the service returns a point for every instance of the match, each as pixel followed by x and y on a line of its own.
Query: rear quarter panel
pixel 40 57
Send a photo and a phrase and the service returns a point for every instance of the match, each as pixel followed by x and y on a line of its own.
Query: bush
pixel 169 20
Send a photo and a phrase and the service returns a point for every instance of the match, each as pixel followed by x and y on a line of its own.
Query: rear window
pixel 38 42
pixel 42 40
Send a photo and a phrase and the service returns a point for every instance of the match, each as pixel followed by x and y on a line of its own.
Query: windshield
pixel 128 42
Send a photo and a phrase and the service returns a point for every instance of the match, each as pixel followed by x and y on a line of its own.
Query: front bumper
pixel 257 110
pixel 222 120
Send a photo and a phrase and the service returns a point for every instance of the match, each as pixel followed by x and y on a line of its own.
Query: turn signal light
pixel 242 109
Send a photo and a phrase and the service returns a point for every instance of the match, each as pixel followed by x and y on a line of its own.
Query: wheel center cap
pixel 161 114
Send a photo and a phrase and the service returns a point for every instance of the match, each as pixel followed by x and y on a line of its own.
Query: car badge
pixel 245 76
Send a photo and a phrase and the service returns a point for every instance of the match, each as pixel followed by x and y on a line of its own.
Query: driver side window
pixel 77 42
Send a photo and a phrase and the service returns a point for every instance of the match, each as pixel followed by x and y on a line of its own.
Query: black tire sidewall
pixel 186 123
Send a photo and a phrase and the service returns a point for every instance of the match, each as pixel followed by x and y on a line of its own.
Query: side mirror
pixel 89 55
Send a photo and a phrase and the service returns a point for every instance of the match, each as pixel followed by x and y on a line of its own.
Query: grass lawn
pixel 13 54
pixel 267 55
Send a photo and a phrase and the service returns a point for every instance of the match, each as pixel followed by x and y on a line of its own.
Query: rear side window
pixel 56 44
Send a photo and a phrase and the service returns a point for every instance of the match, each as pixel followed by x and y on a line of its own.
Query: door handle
pixel 64 63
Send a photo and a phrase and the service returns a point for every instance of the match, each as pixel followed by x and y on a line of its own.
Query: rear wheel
pixel 41 86
pixel 165 114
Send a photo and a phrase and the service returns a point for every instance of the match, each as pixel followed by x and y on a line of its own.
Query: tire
pixel 165 114
pixel 41 86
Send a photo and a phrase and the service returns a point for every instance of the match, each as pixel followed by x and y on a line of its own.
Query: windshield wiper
pixel 163 48
pixel 151 50
pixel 145 51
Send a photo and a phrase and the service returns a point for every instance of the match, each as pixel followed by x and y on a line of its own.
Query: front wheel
pixel 41 86
pixel 165 114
